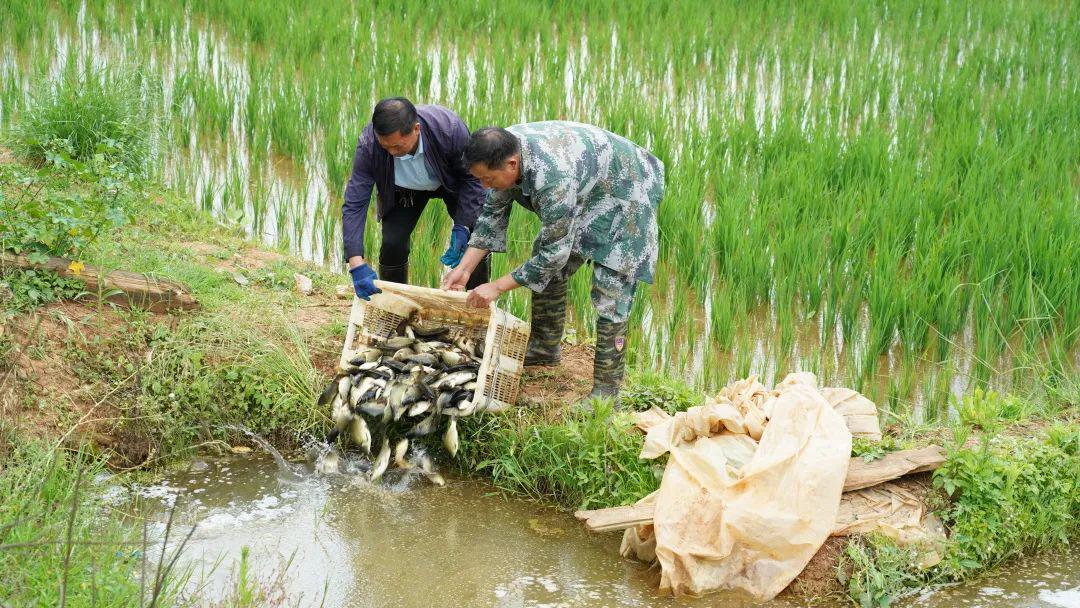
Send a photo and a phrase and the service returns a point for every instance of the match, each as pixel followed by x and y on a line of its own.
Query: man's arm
pixel 483 295
pixel 556 204
pixel 491 227
pixel 357 200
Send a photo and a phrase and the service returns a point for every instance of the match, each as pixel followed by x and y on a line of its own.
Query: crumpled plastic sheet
pixel 751 489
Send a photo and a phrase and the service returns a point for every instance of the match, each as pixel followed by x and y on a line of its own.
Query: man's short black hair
pixel 394 115
pixel 492 146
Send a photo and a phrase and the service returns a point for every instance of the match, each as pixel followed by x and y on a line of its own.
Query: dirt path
pixel 565 384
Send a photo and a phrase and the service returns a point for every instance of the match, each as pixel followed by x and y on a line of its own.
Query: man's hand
pixel 459 239
pixel 483 295
pixel 456 279
pixel 363 280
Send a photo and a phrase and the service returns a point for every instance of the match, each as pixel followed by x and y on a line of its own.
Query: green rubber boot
pixel 609 363
pixel 547 320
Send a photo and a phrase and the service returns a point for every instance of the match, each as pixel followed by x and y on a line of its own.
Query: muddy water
pixel 405 544
pixel 1042 581
pixel 344 542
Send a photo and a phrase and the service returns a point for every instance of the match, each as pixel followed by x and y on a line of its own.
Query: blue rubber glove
pixel 459 240
pixel 363 281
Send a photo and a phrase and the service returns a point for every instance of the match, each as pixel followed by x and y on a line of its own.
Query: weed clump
pixel 65 209
pixel 647 390
pixel 22 290
pixel 1003 497
pixel 54 545
pixel 583 461
pixel 87 113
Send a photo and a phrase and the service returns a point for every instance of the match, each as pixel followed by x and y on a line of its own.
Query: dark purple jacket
pixel 445 136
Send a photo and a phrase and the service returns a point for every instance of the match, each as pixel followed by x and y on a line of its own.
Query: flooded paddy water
pixel 343 542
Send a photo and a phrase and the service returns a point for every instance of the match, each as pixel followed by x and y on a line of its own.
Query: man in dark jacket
pixel 411 155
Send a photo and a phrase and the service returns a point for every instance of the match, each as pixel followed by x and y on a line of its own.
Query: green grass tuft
pixel 1003 497
pixel 86 113
pixel 579 460
pixel 54 545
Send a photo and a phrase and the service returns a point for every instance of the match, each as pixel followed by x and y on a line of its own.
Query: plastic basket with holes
pixel 504 336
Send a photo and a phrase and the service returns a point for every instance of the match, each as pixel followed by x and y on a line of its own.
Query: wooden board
pixel 136 290
pixel 616 518
pixel 861 474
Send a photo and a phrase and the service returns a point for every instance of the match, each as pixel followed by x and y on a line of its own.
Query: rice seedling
pixel 899 178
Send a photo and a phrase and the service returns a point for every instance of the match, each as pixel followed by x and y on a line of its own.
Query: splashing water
pixel 286 471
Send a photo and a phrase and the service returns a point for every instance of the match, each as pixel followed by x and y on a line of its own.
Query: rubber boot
pixel 547 320
pixel 609 362
pixel 481 274
pixel 397 273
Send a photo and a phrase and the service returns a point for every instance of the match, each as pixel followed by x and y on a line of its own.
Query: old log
pixel 128 289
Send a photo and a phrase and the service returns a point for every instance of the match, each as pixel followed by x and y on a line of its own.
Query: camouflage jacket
pixel 596 194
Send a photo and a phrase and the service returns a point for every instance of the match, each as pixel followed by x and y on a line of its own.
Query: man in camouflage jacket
pixel 597 195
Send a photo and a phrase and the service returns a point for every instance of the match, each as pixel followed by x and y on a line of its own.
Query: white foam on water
pixel 264 509
pixel 1067 598
pixel 161 492
pixel 548 584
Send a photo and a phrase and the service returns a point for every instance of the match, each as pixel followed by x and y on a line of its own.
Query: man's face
pixel 400 145
pixel 502 178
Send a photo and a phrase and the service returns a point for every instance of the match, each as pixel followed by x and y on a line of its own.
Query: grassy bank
pixel 167 382
pixel 578 460
pixel 1005 498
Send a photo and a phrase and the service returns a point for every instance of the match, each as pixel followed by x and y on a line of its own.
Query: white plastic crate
pixel 505 336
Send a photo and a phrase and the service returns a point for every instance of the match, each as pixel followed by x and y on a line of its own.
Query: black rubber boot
pixel 394 273
pixel 481 274
pixel 547 320
pixel 609 362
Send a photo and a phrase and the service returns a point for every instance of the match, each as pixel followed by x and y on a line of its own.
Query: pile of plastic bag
pixel 752 486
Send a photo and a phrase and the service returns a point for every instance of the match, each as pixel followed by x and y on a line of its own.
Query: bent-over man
pixel 597 196
pixel 411 154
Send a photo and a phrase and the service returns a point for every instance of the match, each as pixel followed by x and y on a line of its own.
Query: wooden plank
pixel 137 290
pixel 439 303
pixel 861 474
pixel 616 518
pixel 643 514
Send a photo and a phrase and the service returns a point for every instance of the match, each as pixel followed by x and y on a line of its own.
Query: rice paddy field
pixel 884 193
